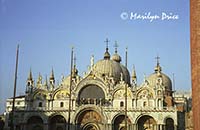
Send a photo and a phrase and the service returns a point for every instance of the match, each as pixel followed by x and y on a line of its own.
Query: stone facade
pixel 107 97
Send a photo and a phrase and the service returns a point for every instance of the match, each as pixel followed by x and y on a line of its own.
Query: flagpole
pixel 70 87
pixel 14 92
pixel 126 93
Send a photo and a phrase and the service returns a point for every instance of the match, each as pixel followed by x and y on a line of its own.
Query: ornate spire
pixel 52 75
pixel 30 77
pixel 51 78
pixel 45 82
pixel 106 54
pixel 39 81
pixel 74 70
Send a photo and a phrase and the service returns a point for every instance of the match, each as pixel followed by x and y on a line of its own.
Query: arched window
pixel 121 104
pixel 169 124
pixel 159 103
pixel 40 104
pixel 144 104
pixel 61 104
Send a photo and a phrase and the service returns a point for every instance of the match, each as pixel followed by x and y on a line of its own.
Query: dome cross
pixel 106 54
pixel 116 46
pixel 157 60
pixel 107 41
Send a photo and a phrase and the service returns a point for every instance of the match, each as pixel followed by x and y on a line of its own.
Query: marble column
pixel 160 127
pixel 175 127
pixel 45 126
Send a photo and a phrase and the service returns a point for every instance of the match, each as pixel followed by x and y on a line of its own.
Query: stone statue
pixel 92 61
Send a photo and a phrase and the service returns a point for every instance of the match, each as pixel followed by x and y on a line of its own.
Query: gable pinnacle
pixel 30 77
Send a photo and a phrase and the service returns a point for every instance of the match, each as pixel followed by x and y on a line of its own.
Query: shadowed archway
pixel 119 122
pixel 57 122
pixel 35 123
pixel 146 123
pixel 169 124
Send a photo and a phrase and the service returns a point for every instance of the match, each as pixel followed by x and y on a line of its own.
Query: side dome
pixel 66 80
pixel 111 68
pixel 166 81
pixel 153 78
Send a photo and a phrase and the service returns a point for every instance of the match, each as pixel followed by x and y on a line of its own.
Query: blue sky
pixel 47 29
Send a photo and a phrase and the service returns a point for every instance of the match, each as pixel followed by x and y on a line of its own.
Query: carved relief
pixel 62 94
pixel 40 96
pixel 121 94
pixel 145 94
pixel 89 116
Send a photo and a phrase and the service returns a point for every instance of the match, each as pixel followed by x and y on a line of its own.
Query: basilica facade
pixel 107 97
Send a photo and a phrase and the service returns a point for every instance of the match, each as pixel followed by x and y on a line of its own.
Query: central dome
pixel 111 68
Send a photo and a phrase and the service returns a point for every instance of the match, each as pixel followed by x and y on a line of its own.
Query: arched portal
pixel 90 127
pixel 89 120
pixel 119 122
pixel 146 123
pixel 169 124
pixel 57 122
pixel 35 123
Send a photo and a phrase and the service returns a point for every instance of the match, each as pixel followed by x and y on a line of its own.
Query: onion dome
pixel 116 57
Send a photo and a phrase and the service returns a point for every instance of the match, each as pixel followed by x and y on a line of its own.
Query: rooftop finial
pixel 116 45
pixel 106 41
pixel 157 68
pixel 30 77
pixel 106 54
pixel 157 60
pixel 52 74
pixel 133 72
pixel 134 77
